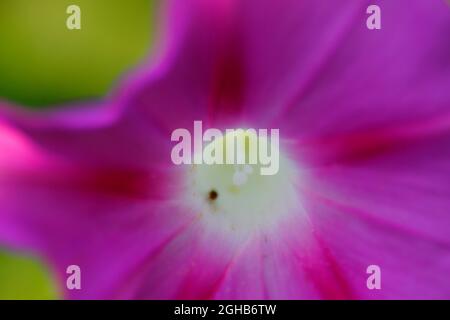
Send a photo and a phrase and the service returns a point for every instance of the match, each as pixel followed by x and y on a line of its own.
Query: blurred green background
pixel 43 64
pixel 25 277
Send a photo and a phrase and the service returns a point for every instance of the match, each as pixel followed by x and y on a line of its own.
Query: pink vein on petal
pixel 361 145
pixel 229 266
pixel 141 266
pixel 330 281
pixel 395 228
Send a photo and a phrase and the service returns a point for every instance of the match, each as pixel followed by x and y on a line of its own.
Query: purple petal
pixel 239 61
pixel 90 194
pixel 104 221
pixel 190 266
pixel 377 78
pixel 391 210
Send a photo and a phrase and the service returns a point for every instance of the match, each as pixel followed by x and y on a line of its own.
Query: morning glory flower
pixel 364 177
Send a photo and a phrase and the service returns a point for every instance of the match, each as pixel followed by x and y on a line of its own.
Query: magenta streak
pixel 364 144
pixel 375 220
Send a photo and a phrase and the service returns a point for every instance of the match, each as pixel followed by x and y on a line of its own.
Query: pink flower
pixel 364 119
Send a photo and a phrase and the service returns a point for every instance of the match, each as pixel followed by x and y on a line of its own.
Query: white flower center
pixel 237 197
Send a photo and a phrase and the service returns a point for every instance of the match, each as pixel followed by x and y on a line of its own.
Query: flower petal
pixel 93 207
pixel 191 266
pixel 287 262
pixel 228 66
pixel 390 210
pixel 92 135
pixel 378 78
pixel 411 267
